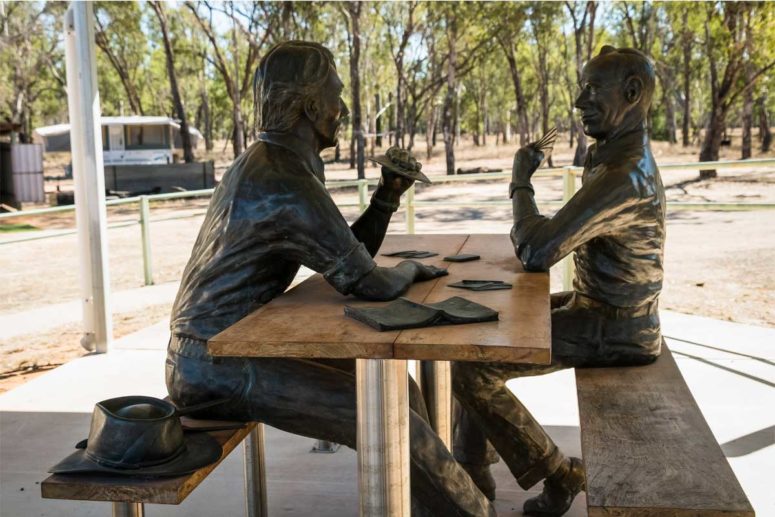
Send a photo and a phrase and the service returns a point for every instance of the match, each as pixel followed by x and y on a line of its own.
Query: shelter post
pixel 86 143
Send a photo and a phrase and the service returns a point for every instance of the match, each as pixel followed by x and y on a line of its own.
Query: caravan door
pixel 115 154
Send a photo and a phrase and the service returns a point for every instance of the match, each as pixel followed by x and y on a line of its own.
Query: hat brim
pixel 411 174
pixel 201 450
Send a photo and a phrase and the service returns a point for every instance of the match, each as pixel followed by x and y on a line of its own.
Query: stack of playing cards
pixel 411 254
pixel 464 257
pixel 481 285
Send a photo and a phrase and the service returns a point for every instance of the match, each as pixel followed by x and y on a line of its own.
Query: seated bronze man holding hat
pixel 616 225
pixel 269 215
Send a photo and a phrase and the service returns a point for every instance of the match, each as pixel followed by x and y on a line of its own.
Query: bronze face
pixel 330 111
pixel 611 100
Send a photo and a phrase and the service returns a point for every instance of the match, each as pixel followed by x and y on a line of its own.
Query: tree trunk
pixel 485 122
pixel 765 135
pixel 354 10
pixel 747 119
pixel 449 100
pixel 185 136
pixel 670 114
pixel 392 132
pixel 711 143
pixel 204 114
pixel 353 153
pixel 378 123
pixel 687 85
pixel 430 126
pixel 519 96
pixel 239 142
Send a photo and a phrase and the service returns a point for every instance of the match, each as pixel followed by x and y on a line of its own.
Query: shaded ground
pixel 717 264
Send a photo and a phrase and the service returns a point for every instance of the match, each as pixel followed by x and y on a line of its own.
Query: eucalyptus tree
pixel 119 35
pixel 185 135
pixel 31 61
pixel 583 16
pixel 250 23
pixel 728 27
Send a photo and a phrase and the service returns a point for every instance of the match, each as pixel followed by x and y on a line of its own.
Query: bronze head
pixel 616 90
pixel 296 82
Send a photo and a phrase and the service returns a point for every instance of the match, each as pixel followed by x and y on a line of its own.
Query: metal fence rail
pixel 568 173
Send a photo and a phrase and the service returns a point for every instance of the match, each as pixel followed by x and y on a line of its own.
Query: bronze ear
pixel 311 109
pixel 633 89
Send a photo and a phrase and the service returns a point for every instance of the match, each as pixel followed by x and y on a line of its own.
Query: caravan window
pixel 147 137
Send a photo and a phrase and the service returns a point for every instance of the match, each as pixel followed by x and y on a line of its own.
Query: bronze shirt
pixel 270 214
pixel 615 223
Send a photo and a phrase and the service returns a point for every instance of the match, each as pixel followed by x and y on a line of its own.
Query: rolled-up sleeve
pixel 312 231
pixel 604 203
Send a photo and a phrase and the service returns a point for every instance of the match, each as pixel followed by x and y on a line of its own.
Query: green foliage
pixel 132 73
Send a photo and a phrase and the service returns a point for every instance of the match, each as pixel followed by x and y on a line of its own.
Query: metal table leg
pixel 255 473
pixel 436 384
pixel 128 510
pixel 383 437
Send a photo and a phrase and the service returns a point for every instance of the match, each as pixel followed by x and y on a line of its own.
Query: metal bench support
pixel 128 510
pixel 435 381
pixel 255 473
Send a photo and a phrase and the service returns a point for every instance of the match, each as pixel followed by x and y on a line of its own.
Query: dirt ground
pixel 717 263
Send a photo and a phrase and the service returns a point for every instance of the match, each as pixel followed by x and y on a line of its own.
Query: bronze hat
pixel 139 436
pixel 401 162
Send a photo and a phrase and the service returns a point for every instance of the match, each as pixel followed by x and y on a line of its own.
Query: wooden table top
pixel 308 321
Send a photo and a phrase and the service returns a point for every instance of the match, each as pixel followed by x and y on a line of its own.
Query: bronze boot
pixel 559 490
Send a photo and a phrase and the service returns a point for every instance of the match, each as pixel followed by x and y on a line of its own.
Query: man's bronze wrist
pixel 515 186
pixel 384 206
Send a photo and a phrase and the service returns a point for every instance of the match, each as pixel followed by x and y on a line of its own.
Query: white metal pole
pixel 83 100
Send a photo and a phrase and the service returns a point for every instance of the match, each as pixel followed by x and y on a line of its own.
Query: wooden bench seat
pixel 164 490
pixel 647 449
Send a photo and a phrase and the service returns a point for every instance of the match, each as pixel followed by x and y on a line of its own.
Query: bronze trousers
pixel 316 398
pixel 584 334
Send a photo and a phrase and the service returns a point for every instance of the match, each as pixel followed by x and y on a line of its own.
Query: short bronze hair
pixel 287 76
pixel 630 62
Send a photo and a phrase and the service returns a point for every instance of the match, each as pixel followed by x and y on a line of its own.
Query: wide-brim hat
pixel 140 436
pixel 386 162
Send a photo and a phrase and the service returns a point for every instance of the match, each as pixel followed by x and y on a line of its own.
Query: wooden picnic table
pixel 308 321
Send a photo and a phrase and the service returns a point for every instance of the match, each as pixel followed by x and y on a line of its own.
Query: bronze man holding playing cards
pixel 269 215
pixel 616 225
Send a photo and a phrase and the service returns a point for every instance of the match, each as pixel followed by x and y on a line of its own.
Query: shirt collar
pixel 599 153
pixel 299 147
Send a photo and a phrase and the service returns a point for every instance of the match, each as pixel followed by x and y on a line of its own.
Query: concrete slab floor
pixel 299 483
pixel 729 368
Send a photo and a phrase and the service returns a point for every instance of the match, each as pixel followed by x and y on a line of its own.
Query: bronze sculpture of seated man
pixel 616 225
pixel 270 214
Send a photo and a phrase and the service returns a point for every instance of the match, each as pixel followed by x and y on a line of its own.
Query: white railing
pixel 568 173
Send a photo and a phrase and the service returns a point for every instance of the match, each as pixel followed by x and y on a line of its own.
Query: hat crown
pixel 134 432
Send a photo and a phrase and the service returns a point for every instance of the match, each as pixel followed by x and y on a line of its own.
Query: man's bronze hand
pixel 530 157
pixel 526 162
pixel 422 271
pixel 395 183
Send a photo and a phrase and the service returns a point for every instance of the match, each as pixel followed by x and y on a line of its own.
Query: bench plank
pixel 647 449
pixel 167 490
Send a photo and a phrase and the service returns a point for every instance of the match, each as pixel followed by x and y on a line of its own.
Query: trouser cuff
pixel 541 469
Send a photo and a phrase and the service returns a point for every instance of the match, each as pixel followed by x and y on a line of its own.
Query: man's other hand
pixel 423 272
pixel 388 283
pixel 394 183
pixel 526 162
